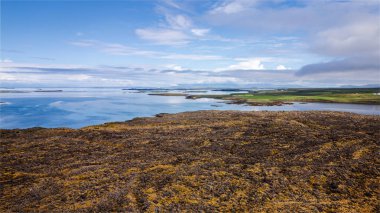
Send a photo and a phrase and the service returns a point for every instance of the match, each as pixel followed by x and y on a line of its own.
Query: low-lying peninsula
pixel 280 97
pixel 196 161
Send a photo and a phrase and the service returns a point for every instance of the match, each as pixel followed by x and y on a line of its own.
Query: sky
pixel 189 43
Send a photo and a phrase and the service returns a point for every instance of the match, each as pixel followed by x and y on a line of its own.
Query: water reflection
pixel 81 107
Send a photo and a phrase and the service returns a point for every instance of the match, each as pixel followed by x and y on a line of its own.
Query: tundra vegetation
pixel 196 161
pixel 286 96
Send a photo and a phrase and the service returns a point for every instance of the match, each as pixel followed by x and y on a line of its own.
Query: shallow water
pixel 81 107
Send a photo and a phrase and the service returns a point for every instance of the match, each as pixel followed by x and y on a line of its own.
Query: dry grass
pixel 197 161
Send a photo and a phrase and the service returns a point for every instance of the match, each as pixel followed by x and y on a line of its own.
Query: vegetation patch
pixel 205 161
pixel 288 96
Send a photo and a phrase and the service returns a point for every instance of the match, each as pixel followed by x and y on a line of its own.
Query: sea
pixel 80 107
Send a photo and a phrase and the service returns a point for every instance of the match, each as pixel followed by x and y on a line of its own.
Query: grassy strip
pixel 278 97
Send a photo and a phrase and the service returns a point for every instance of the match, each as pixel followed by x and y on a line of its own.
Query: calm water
pixel 77 108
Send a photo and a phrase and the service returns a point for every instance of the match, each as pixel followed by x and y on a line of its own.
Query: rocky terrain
pixel 196 161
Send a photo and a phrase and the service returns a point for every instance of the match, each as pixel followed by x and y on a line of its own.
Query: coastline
pixel 231 99
pixel 159 115
pixel 204 160
pixel 288 96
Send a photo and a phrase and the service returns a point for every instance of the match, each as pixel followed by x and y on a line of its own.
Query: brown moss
pixel 198 161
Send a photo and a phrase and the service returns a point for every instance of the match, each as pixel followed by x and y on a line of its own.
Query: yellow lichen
pixel 359 153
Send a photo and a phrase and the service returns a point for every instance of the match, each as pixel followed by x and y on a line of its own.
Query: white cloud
pixel 257 16
pixel 250 64
pixel 200 32
pixel 174 67
pixel 354 47
pixel 120 49
pixel 281 67
pixel 6 60
pixel 78 77
pixel 345 37
pixel 7 77
pixel 113 48
pixel 233 6
pixel 214 80
pixel 353 39
pixel 176 28
pixel 27 75
pixel 193 57
pixel 178 21
pixel 163 36
pixel 20 66
pixel 172 4
pixel 84 43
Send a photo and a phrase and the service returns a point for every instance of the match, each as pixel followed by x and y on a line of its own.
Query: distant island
pixel 212 161
pixel 287 96
pixel 28 91
pixel 49 90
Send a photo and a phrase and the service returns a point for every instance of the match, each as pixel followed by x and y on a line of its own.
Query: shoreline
pixel 159 115
pixel 287 96
pixel 230 99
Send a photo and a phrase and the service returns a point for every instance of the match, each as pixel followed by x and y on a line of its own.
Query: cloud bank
pixel 229 42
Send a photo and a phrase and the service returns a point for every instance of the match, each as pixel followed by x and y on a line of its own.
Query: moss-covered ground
pixel 197 161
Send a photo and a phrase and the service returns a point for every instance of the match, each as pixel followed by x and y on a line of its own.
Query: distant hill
pixel 362 86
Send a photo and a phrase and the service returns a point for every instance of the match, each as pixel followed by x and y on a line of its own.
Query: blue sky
pixel 167 43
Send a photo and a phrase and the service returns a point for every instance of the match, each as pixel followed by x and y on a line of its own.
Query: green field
pixel 268 97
